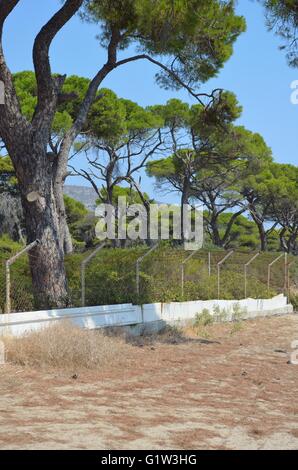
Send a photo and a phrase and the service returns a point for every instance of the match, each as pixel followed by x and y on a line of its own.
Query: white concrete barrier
pixel 88 317
pixel 142 317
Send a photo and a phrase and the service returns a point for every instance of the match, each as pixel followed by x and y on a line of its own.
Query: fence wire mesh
pixel 2 287
pixel 166 274
pixel 21 292
pixel 115 276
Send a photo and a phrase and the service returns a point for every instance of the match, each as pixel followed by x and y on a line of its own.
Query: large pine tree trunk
pixel 46 260
pixel 42 223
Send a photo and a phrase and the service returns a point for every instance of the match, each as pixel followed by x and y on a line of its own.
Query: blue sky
pixel 257 72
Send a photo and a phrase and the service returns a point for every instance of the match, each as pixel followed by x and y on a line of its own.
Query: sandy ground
pixel 234 390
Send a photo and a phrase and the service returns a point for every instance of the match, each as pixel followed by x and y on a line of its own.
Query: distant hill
pixel 83 194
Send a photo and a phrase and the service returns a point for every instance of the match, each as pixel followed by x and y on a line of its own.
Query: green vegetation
pixel 7 176
pixel 203 319
pixel 282 17
pixel 111 277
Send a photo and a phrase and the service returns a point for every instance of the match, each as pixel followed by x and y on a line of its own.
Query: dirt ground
pixel 231 389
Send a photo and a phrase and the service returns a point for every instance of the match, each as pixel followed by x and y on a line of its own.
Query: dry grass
pixel 64 345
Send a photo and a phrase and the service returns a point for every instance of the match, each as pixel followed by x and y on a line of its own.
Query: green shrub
pixel 204 318
pixel 294 300
pixel 220 314
pixel 238 313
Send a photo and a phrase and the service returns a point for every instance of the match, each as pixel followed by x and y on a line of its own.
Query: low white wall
pixel 87 317
pixel 182 311
pixel 127 314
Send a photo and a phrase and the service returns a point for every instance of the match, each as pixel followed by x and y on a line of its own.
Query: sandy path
pixel 236 391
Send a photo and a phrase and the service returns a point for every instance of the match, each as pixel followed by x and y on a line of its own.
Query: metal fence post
pixel 218 270
pixel 83 272
pixel 209 263
pixel 245 272
pixel 8 263
pixel 138 263
pixel 7 286
pixel 269 270
pixel 286 272
pixel 289 279
pixel 182 269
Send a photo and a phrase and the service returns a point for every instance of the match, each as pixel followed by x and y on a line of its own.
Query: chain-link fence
pixel 16 293
pixel 163 274
pixel 106 276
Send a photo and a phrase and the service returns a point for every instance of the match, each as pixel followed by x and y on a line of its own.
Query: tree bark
pixel 259 221
pixel 282 241
pixel 227 236
pixel 263 236
pixel 288 242
pixel 184 201
pixel 64 233
pixel 214 230
pixel 42 223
